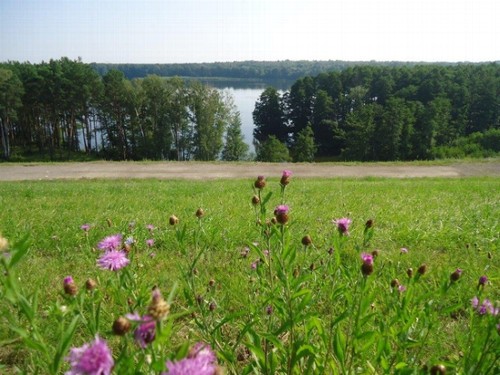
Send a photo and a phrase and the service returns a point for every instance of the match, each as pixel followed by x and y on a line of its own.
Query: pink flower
pixel 145 333
pixel 113 260
pixel 150 242
pixel 85 227
pixel 150 227
pixel 91 359
pixel 201 360
pixel 282 209
pixel 113 242
pixel 68 280
pixel 343 225
pixel 401 288
pixel 367 258
pixel 286 173
pixel 403 250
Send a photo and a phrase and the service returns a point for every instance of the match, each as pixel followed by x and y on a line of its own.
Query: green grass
pixel 445 223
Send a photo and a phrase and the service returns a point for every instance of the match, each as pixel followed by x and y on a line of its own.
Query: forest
pixel 65 109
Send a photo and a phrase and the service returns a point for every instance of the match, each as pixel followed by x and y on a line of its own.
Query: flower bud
pixel 369 224
pixel 482 281
pixel 199 213
pixel 375 253
pixel 158 308
pixel 409 272
pixel 90 284
pixel 173 220
pixel 212 306
pixel 422 269
pixel 395 283
pixel 306 240
pixel 211 283
pixel 312 267
pixel 260 183
pixel 121 326
pixel 281 214
pixel 438 370
pixel 367 269
pixel 255 200
pixel 285 177
pixel 269 310
pixel 69 286
pixel 456 275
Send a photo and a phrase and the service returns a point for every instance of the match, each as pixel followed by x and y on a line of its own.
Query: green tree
pixel 272 150
pixel 269 117
pixel 304 148
pixel 235 147
pixel 11 90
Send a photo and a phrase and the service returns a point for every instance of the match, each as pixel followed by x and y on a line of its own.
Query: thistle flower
pixel 395 283
pixel 121 326
pixel 401 288
pixel 201 360
pixel 486 307
pixel 109 243
pixel 456 275
pixel 260 183
pixel 367 266
pixel 69 286
pixel 150 242
pixel 90 284
pixel 438 370
pixel 173 220
pixel 199 213
pixel 422 269
pixel 306 240
pixel 409 272
pixel 113 260
pixel 85 227
pixel 158 308
pixel 281 214
pixel 150 227
pixel 255 200
pixel 285 177
pixel 482 281
pixel 343 225
pixel 145 333
pixel 91 359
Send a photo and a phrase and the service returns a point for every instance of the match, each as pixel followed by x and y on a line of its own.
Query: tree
pixel 304 148
pixel 272 150
pixel 11 90
pixel 269 117
pixel 235 147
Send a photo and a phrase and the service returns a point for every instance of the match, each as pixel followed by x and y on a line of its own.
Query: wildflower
pixel 69 286
pixel 409 272
pixel 281 214
pixel 211 283
pixel 255 200
pixel 212 306
pixel 306 240
pixel 121 326
pixel 150 227
pixel 113 260
pixel 201 360
pixel 90 284
pixel 253 266
pixel 343 225
pixel 158 308
pixel 145 333
pixel 173 220
pixel 401 288
pixel 422 269
pixel 395 283
pixel 403 250
pixel 113 242
pixel 438 369
pixel 150 242
pixel 367 266
pixel 199 213
pixel 482 281
pixel 375 253
pixel 456 274
pixel 260 183
pixel 266 252
pixel 244 252
pixel 85 227
pixel 285 177
pixel 486 307
pixel 91 359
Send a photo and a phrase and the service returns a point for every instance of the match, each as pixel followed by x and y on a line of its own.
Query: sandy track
pixel 197 170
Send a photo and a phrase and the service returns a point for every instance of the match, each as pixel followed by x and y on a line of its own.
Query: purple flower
pixel 201 360
pixel 150 227
pixel 482 280
pixel 286 173
pixel 474 302
pixel 343 225
pixel 113 242
pixel 403 250
pixel 150 242
pixel 401 288
pixel 145 333
pixel 486 307
pixel 266 252
pixel 68 280
pixel 113 260
pixel 367 259
pixel 254 265
pixel 91 359
pixel 282 209
pixel 129 241
pixel 85 227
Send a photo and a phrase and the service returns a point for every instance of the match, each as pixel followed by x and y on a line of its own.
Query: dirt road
pixel 197 170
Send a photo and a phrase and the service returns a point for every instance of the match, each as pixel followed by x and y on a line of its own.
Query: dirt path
pixel 197 170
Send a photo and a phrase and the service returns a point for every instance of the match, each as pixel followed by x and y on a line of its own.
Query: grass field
pixel 265 302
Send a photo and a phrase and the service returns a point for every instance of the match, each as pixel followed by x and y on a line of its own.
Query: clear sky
pixel 176 31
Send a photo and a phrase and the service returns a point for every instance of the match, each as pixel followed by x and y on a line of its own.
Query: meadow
pixel 299 276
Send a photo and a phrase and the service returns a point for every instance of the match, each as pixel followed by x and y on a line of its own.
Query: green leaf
pixel 339 342
pixel 20 250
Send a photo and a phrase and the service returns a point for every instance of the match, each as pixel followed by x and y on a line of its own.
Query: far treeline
pixel 65 108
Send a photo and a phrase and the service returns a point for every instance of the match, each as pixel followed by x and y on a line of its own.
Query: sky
pixel 186 31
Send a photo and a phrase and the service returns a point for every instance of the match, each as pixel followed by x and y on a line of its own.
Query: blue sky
pixel 172 31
